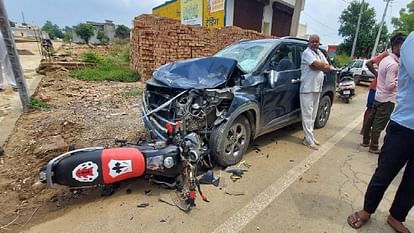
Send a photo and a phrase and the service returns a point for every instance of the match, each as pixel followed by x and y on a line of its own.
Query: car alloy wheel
pixel 235 140
pixel 230 140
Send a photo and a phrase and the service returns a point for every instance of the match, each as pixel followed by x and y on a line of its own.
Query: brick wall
pixel 157 40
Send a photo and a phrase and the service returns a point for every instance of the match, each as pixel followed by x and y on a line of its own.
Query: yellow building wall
pixel 172 10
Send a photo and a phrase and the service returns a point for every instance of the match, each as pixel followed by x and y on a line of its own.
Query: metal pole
pixel 14 59
pixel 357 29
pixel 374 50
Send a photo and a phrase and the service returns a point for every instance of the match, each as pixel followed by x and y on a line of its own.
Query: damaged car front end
pixel 207 87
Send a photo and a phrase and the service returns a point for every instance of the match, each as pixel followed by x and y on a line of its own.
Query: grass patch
pixel 36 103
pixel 114 67
pixel 131 93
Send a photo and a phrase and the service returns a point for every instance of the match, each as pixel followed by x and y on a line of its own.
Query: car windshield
pixel 247 54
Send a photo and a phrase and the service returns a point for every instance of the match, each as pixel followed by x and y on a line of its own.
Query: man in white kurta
pixel 5 66
pixel 313 66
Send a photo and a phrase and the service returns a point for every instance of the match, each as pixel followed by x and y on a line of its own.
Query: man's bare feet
pixel 358 219
pixel 396 225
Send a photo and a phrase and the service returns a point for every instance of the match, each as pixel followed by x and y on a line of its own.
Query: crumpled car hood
pixel 199 73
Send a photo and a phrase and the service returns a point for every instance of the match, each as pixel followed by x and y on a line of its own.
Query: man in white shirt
pixel 6 65
pixel 313 66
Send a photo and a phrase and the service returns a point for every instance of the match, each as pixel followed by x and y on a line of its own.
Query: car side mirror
pixel 273 77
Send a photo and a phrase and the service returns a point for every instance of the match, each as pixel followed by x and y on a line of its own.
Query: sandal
pixel 355 221
pixel 395 229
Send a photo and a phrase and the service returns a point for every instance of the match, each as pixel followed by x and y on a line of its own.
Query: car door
pixel 281 98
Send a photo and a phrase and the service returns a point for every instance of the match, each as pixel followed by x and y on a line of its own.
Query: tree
pixel 405 23
pixel 67 34
pixel 53 30
pixel 102 37
pixel 367 33
pixel 85 31
pixel 122 32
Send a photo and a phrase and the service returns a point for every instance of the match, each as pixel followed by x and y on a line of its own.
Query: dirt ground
pixel 82 114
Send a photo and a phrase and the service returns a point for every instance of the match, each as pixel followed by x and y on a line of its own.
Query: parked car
pixel 245 90
pixel 360 71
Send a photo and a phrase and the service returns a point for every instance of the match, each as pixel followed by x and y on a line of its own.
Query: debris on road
pixel 166 198
pixel 148 192
pixel 143 205
pixel 235 193
pixel 208 178
pixel 237 171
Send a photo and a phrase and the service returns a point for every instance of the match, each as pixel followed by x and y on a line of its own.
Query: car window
pixel 284 58
pixel 302 48
pixel 247 54
pixel 357 64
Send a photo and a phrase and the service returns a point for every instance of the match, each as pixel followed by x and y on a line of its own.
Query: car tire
pixel 324 110
pixel 357 79
pixel 230 140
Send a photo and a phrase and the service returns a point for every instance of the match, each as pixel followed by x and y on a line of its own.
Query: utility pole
pixel 374 50
pixel 12 55
pixel 357 29
pixel 23 17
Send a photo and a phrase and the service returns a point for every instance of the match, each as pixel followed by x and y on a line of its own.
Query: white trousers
pixel 309 107
pixel 6 67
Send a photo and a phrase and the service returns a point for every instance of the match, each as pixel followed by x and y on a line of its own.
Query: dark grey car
pixel 246 90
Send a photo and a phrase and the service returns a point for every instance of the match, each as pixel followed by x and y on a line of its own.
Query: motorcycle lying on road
pixel 173 162
pixel 346 85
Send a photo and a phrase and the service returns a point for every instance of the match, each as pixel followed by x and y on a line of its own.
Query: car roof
pixel 277 40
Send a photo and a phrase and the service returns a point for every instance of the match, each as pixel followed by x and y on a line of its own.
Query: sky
pixel 320 16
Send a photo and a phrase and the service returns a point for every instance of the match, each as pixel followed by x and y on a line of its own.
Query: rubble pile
pixel 158 40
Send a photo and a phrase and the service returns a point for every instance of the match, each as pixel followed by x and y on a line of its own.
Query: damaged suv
pixel 245 90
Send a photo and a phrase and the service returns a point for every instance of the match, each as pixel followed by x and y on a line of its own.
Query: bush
pixel 341 60
pixel 91 57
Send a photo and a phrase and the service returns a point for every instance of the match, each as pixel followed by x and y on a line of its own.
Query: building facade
pixel 108 28
pixel 270 17
pixel 28 32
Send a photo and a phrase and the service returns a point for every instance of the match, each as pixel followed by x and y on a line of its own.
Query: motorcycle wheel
pixel 346 100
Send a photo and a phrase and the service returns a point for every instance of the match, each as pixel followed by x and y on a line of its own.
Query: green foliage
pixel 131 93
pixel 405 23
pixel 110 68
pixel 37 103
pixel 342 59
pixel 68 36
pixel 53 30
pixel 102 37
pixel 367 33
pixel 85 31
pixel 91 57
pixel 122 32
